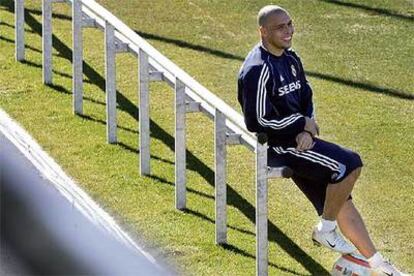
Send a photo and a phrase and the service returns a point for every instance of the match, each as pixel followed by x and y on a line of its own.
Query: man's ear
pixel 262 31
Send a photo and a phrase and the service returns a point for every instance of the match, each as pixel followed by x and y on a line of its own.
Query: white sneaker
pixel 387 269
pixel 332 240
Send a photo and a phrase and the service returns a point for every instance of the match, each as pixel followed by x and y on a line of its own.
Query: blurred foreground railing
pixel 51 225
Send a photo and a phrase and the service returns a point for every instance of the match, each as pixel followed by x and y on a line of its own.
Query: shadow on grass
pixel 90 118
pixel 364 86
pixel 12 27
pixel 165 181
pixel 235 249
pixel 136 151
pixel 37 51
pixel 61 89
pixel 239 251
pixel 219 53
pixel 378 11
pixel 26 46
pixel 361 85
pixel 27 62
pixel 54 15
pixel 204 217
pixel 194 163
pixel 184 44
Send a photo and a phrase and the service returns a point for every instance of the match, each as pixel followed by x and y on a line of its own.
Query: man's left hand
pixel 304 141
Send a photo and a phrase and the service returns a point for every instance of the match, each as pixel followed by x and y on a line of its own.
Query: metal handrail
pixel 209 101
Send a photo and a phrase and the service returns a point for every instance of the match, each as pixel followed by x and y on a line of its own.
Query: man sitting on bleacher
pixel 277 99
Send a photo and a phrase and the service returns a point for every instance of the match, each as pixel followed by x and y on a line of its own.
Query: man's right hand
pixel 311 126
pixel 304 141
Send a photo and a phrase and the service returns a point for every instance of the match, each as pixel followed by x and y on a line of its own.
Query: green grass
pixel 360 64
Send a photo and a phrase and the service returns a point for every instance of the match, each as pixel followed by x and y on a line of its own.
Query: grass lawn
pixel 359 56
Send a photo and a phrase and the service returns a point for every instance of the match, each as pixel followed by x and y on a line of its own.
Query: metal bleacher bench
pixel 190 96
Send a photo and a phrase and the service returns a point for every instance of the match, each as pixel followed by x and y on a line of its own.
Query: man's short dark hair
pixel 266 11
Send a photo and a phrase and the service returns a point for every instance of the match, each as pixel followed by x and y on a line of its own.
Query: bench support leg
pixel 220 177
pixel 261 210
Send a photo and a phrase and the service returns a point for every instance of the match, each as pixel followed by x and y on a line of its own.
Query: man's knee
pixel 357 171
pixel 357 164
pixel 353 176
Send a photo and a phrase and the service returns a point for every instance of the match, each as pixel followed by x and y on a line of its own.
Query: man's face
pixel 278 30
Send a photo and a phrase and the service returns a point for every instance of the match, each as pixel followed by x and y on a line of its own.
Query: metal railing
pixel 190 96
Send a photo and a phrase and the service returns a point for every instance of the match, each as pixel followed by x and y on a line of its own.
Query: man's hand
pixel 304 141
pixel 311 126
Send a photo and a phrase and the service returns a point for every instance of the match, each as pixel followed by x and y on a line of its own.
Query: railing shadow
pixel 26 46
pixel 379 11
pixel 54 14
pixel 12 27
pixel 405 95
pixel 356 84
pixel 184 44
pixel 92 119
pixel 63 90
pixel 172 184
pixel 27 62
pixel 364 86
pixel 194 163
pixel 239 251
pixel 136 151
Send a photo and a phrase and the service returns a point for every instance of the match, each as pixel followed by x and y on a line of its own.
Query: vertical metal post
pixel 144 119
pixel 261 208
pixel 77 57
pixel 180 152
pixel 220 177
pixel 19 29
pixel 110 83
pixel 47 41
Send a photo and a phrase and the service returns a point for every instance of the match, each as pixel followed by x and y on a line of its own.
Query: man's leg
pixel 314 169
pixel 352 226
pixel 337 194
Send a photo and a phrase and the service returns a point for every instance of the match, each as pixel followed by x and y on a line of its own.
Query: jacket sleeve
pixel 255 89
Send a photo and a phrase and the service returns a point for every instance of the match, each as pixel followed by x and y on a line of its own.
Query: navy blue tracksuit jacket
pixel 274 94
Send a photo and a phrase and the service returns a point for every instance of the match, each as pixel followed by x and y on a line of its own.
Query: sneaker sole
pixel 316 243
